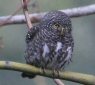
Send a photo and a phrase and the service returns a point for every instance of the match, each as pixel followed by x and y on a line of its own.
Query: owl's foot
pixel 42 69
pixel 54 72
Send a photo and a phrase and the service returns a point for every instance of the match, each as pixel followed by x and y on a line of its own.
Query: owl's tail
pixel 30 76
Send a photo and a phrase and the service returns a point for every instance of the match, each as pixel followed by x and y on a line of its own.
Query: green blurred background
pixel 13 39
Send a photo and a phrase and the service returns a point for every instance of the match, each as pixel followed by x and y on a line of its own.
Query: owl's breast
pixel 47 54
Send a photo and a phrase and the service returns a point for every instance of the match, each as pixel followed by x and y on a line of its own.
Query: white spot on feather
pixel 59 46
pixel 45 49
pixel 69 53
pixel 29 35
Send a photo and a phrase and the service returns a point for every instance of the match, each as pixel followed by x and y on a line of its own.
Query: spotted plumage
pixel 50 44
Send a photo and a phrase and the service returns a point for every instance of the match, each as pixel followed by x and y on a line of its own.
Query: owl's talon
pixel 44 70
pixel 57 72
pixel 40 70
pixel 54 72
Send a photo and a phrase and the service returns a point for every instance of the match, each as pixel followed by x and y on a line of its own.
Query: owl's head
pixel 57 21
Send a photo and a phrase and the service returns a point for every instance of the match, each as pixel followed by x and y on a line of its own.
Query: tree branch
pixel 65 75
pixel 3 22
pixel 36 17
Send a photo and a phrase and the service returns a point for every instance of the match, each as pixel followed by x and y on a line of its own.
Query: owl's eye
pixel 56 25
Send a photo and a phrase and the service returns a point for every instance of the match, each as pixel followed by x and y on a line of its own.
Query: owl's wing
pixel 31 33
pixel 29 37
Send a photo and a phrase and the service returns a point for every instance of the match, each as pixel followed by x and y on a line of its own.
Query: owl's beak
pixel 62 30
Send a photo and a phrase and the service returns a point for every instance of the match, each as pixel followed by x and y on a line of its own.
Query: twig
pixel 74 12
pixel 9 17
pixel 58 82
pixel 65 75
pixel 25 10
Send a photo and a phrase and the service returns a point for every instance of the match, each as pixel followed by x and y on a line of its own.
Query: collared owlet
pixel 50 43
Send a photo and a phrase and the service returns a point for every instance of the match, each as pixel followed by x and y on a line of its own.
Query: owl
pixel 50 44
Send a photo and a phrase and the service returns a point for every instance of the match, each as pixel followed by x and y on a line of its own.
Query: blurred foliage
pixel 14 40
